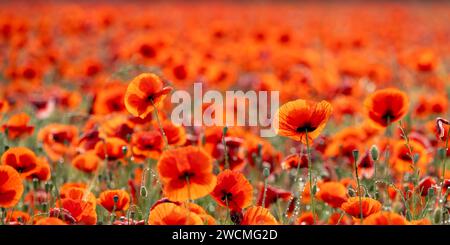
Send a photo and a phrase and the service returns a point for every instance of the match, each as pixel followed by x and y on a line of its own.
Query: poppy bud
pixel 124 149
pixel 437 216
pixel 430 193
pixel 143 191
pixel 416 158
pixel 374 152
pixel 44 207
pixel 440 127
pixel 266 172
pixel 35 183
pixel 225 130
pixel 48 186
pixel 355 154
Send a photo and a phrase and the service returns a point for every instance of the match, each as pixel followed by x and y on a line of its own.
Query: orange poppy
pixel 176 135
pixel 81 205
pixel 114 200
pixel 424 221
pixel 87 162
pixel 50 221
pixel 339 219
pixel 147 144
pixel 306 218
pixel 186 172
pixel 21 159
pixel 257 215
pixel 195 208
pixel 233 190
pixel 11 187
pixel 112 149
pixel 58 140
pixel 385 218
pixel 172 214
pixel 64 189
pixel 116 126
pixel 332 193
pixel 292 161
pixel 299 118
pixel 386 106
pixel 42 171
pixel 110 99
pixel 369 206
pixel 401 161
pixel 17 216
pixel 144 92
pixel 17 126
pixel 273 194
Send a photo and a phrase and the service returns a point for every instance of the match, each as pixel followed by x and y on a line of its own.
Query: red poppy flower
pixel 114 200
pixel 233 190
pixel 386 106
pixel 11 187
pixel 257 215
pixel 143 93
pixel 22 159
pixel 299 118
pixel 186 172
pixel 17 126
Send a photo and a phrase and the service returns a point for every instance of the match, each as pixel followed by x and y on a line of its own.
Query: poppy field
pixel 87 105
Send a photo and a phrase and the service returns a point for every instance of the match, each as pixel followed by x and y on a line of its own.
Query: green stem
pixel 444 161
pixel 312 193
pixel 155 110
pixel 359 190
pixel 225 150
pixel 264 194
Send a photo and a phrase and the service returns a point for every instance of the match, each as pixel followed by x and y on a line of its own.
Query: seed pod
pixel 374 152
pixel 143 191
pixel 437 216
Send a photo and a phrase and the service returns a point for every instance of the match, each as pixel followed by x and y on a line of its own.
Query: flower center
pixel 307 127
